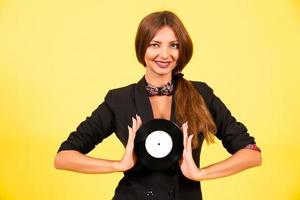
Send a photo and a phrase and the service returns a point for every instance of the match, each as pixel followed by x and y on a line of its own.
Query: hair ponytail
pixel 191 107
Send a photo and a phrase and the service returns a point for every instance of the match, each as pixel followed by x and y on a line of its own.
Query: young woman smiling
pixel 164 48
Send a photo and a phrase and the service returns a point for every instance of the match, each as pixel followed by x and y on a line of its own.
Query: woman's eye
pixel 154 45
pixel 175 46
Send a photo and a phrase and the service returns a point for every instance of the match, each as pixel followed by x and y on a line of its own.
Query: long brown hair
pixel 192 106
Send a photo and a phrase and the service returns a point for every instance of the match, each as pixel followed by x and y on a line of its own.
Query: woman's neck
pixel 157 80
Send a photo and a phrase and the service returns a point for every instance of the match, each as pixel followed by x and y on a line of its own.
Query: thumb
pixel 189 143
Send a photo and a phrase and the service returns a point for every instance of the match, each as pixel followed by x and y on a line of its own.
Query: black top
pixel 115 114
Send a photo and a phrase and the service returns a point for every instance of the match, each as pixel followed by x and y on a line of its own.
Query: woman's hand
pixel 239 161
pixel 76 161
pixel 129 159
pixel 187 165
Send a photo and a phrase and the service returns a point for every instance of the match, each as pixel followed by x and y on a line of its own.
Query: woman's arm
pixel 239 161
pixel 78 162
pixel 75 161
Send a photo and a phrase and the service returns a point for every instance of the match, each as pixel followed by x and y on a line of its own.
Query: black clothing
pixel 115 114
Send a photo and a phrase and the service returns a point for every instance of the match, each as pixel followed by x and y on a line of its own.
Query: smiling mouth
pixel 162 64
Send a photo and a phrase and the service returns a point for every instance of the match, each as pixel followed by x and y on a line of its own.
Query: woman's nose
pixel 164 52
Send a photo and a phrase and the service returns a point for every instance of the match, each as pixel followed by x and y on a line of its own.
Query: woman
pixel 164 47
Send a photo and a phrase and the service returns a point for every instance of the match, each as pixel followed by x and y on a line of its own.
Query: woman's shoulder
pixel 121 92
pixel 205 90
pixel 202 87
pixel 123 88
pixel 127 90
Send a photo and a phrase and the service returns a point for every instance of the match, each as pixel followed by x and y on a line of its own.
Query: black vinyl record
pixel 158 144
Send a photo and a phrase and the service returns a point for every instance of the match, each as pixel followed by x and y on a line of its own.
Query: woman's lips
pixel 162 64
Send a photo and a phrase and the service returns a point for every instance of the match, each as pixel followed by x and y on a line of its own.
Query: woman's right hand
pixel 73 160
pixel 129 159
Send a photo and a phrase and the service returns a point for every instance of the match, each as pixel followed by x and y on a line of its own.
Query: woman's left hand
pixel 187 165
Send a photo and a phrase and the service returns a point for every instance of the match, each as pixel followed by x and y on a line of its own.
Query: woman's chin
pixel 163 72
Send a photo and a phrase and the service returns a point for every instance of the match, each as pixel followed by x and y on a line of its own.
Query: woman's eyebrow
pixel 161 42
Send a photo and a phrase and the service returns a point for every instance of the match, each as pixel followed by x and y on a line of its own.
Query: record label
pixel 158 144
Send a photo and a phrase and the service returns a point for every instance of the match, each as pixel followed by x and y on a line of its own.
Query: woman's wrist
pixel 201 174
pixel 120 166
pixel 117 166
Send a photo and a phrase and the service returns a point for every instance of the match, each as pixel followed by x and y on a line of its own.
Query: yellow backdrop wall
pixel 59 58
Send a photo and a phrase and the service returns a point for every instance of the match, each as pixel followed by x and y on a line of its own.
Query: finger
pixel 185 134
pixel 129 133
pixel 130 143
pixel 189 145
pixel 139 121
pixel 134 124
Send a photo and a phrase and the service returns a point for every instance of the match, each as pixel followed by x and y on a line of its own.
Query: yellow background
pixel 58 59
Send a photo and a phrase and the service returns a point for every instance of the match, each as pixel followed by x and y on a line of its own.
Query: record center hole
pixel 158 144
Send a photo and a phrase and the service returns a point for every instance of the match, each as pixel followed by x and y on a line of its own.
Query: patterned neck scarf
pixel 167 89
pixel 159 91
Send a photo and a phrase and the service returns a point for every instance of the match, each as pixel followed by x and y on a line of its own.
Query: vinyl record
pixel 158 144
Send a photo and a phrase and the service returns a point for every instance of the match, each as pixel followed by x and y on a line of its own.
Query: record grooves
pixel 158 144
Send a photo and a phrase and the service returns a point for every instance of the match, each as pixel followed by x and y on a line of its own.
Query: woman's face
pixel 162 53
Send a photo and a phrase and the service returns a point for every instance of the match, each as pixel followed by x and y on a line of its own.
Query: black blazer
pixel 115 114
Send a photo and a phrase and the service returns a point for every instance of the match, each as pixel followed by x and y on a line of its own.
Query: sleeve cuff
pixel 252 147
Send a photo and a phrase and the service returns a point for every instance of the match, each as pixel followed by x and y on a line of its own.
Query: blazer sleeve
pixel 233 134
pixel 93 130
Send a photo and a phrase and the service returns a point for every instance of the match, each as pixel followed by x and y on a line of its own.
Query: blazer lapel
pixel 173 111
pixel 142 103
